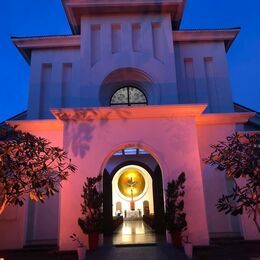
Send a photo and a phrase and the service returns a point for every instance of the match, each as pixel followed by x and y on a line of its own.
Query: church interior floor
pixel 134 232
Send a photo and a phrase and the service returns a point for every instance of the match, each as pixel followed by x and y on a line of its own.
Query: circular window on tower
pixel 128 96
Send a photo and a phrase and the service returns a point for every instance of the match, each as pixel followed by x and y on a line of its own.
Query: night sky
pixel 47 17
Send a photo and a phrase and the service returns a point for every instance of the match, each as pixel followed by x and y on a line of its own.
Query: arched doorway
pixel 146 169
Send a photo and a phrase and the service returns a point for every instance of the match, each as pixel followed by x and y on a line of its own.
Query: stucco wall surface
pixel 172 142
pixel 12 227
pixel 19 225
pixel 216 184
pixel 202 75
pixel 54 81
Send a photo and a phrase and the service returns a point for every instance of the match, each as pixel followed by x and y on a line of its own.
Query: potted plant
pixel 81 249
pixel 187 246
pixel 91 222
pixel 175 218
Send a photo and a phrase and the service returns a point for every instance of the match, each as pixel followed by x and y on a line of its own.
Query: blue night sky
pixel 47 17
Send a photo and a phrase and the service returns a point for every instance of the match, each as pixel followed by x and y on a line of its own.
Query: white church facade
pixel 129 90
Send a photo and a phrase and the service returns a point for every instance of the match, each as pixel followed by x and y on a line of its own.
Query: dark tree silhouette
pixel 175 217
pixel 239 157
pixel 29 165
pixel 91 208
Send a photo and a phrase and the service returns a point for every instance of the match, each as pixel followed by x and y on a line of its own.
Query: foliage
pixel 74 238
pixel 174 216
pixel 92 221
pixel 239 157
pixel 29 165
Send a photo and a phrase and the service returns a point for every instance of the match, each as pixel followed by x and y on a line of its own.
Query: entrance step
pixel 136 245
pixel 226 240
pixel 34 246
pixel 227 248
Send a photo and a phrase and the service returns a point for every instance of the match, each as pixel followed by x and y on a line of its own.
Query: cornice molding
pixel 37 125
pixel 225 35
pixel 27 44
pixel 74 9
pixel 126 113
pixel 224 118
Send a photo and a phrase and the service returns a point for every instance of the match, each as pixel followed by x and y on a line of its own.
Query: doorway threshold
pixel 137 245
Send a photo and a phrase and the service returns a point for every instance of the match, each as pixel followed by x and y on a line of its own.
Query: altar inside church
pixel 132 193
pixel 133 214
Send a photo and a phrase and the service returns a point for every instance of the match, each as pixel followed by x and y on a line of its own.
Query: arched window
pixel 128 96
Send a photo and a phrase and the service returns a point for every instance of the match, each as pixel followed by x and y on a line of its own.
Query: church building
pixel 131 96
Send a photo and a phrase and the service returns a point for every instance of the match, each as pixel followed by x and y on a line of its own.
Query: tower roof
pixel 76 8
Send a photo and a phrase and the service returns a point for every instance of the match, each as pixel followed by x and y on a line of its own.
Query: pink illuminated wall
pixel 33 222
pixel 177 151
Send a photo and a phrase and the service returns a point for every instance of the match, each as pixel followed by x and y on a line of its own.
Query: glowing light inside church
pixel 131 183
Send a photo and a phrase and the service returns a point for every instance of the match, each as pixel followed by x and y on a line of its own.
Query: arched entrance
pixel 123 202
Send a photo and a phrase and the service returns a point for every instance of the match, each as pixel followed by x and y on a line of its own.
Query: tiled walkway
pixel 134 232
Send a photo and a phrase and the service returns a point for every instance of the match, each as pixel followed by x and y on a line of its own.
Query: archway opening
pixel 133 197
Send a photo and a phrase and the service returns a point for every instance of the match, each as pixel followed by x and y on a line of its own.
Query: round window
pixel 128 96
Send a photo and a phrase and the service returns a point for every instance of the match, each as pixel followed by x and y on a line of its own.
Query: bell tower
pixel 126 35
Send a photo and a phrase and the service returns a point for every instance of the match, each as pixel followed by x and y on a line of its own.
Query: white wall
pixel 20 225
pixel 249 229
pixel 12 227
pixel 173 142
pixel 140 42
pixel 109 43
pixel 43 222
pixel 129 50
pixel 54 81
pixel 75 77
pixel 215 183
pixel 202 75
pixel 176 143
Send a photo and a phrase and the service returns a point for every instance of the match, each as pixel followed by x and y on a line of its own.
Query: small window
pixel 128 96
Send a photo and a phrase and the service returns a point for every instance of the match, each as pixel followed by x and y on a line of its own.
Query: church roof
pixel 253 123
pixel 74 9
pixel 20 116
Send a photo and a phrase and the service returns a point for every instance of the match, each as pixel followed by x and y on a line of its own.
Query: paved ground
pixel 226 251
pixel 106 252
pixel 139 253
